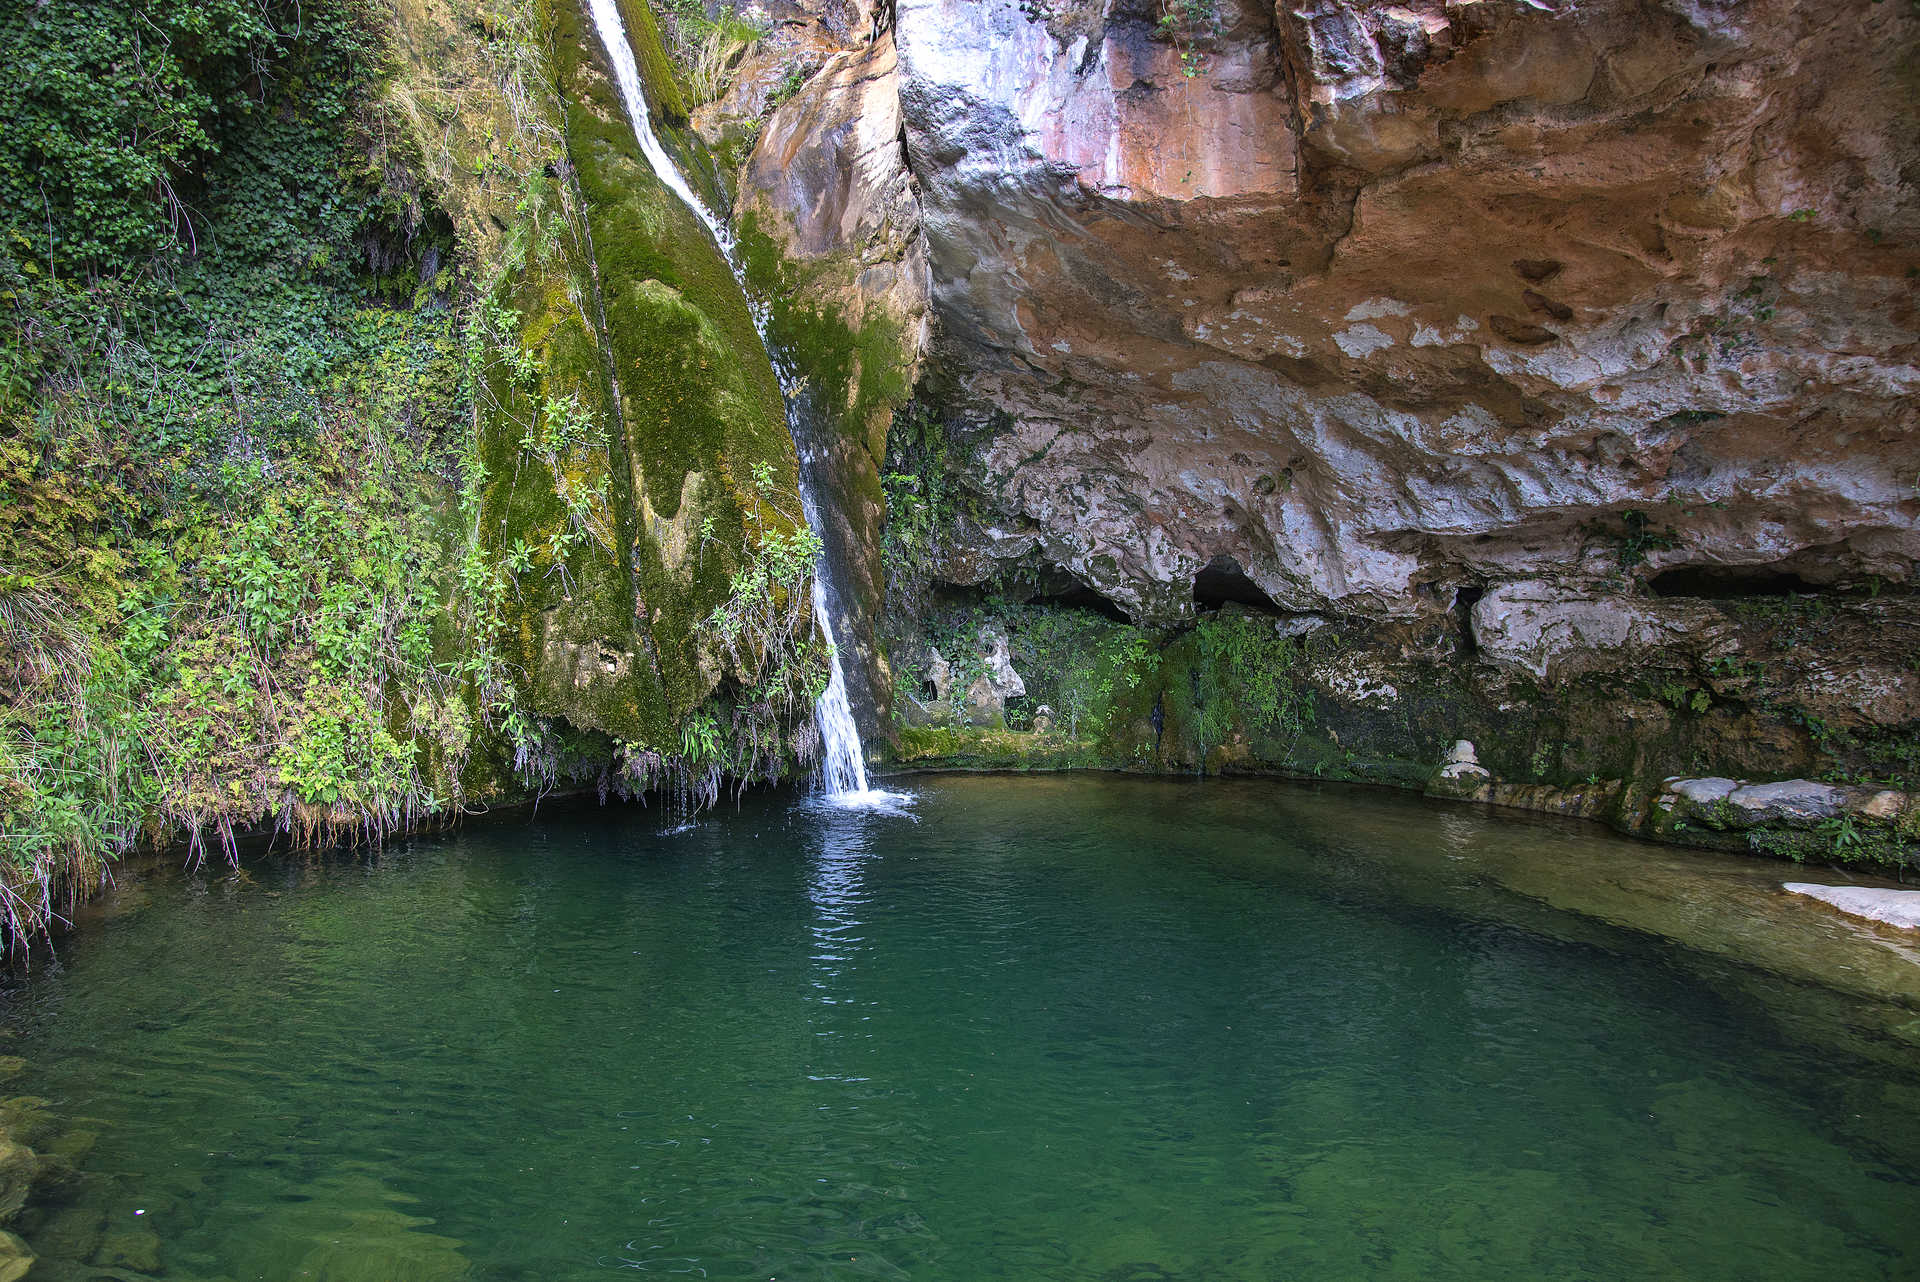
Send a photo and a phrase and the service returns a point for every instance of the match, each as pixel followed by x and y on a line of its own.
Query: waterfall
pixel 843 767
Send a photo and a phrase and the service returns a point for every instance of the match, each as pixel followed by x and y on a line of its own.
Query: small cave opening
pixel 1081 597
pixel 956 594
pixel 1463 603
pixel 1722 581
pixel 1222 580
pixel 1060 588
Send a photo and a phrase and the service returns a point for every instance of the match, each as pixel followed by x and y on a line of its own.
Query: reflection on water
pixel 834 887
pixel 1038 1028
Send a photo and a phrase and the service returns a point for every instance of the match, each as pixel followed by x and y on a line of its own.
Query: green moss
pixel 668 104
pixel 860 376
pixel 970 748
pixel 1225 695
pixel 854 376
pixel 632 313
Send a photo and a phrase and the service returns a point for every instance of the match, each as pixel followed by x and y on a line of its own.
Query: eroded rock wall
pixel 1381 301
pixel 1552 361
pixel 830 219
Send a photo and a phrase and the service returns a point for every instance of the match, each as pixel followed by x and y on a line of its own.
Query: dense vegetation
pixel 1100 691
pixel 233 368
pixel 255 394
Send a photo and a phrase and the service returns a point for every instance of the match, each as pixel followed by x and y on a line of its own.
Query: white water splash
pixel 843 767
pixel 843 771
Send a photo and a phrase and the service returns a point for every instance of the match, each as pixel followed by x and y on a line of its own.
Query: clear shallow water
pixel 1056 1028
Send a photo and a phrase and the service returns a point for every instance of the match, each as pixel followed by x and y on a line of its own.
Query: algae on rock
pixel 627 319
pixel 829 228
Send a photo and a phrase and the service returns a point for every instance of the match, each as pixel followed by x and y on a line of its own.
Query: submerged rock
pixel 16 1258
pixel 133 1249
pixel 71 1233
pixel 1890 907
pixel 18 1166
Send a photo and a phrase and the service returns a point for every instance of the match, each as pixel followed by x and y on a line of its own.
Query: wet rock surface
pixel 1892 907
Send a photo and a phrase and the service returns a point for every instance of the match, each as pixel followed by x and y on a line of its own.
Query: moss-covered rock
pixel 637 450
pixel 1393 704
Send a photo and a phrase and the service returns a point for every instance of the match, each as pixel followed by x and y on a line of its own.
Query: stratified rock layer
pixel 1382 301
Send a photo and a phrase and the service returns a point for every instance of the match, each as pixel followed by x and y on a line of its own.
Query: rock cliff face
pixel 831 220
pixel 1557 357
pixel 1387 301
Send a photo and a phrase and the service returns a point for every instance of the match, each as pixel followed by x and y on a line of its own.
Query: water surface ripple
pixel 1115 1030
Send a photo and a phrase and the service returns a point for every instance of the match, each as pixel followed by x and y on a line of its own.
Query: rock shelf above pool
pixel 1891 907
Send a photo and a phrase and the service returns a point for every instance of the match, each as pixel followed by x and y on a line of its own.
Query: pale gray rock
pixel 983 706
pixel 997 654
pixel 1702 792
pixel 1891 907
pixel 1789 799
pixel 940 675
pixel 1462 765
pixel 1557 632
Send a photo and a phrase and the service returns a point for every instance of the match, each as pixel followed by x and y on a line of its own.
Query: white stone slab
pixel 1892 907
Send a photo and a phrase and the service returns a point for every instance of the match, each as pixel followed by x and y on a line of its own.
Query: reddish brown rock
pixel 1384 300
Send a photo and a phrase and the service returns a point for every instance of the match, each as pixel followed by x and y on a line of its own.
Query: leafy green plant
pixel 234 410
pixel 1188 23
pixel 790 84
pixel 1636 537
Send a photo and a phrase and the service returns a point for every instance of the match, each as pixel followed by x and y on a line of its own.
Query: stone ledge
pixel 1890 907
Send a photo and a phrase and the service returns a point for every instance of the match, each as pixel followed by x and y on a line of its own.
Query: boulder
pixel 18 1166
pixel 983 707
pixel 931 704
pixel 1702 792
pixel 133 1249
pixel 71 1233
pixel 997 653
pixel 1463 763
pixel 1461 775
pixel 1788 801
pixel 16 1258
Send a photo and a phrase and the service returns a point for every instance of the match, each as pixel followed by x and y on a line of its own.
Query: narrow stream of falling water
pixel 843 769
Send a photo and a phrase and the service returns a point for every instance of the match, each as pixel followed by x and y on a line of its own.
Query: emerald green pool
pixel 1058 1028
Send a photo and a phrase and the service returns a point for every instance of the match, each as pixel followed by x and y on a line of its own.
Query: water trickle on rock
pixel 843 769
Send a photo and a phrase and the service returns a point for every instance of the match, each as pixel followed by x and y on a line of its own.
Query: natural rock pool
pixel 1052 1028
